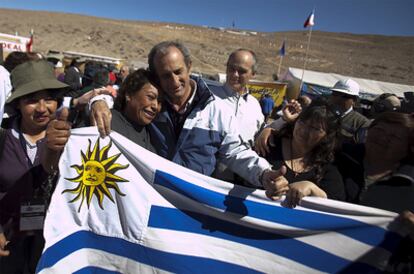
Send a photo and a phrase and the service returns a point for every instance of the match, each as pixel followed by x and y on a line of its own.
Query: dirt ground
pixel 384 58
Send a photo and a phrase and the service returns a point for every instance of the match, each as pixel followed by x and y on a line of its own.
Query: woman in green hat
pixel 23 182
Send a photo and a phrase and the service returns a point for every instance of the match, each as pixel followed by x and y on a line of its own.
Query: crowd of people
pixel 317 147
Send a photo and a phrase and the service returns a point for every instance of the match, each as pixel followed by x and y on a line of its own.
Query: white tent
pixel 328 80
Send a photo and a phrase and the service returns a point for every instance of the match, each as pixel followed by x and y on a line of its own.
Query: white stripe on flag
pixel 333 240
pixel 93 258
pixel 222 250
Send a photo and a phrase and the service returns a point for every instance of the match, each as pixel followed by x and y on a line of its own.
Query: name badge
pixel 32 216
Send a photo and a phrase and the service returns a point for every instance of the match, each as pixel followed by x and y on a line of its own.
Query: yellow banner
pixel 276 90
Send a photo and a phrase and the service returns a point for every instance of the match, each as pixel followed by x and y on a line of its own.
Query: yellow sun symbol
pixel 96 175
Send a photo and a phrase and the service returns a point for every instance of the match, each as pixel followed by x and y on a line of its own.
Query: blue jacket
pixel 267 105
pixel 209 135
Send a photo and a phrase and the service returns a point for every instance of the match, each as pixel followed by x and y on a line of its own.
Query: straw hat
pixel 31 77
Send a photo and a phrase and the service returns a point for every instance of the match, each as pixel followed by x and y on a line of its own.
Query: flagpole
pixel 306 58
pixel 280 65
pixel 282 51
pixel 29 45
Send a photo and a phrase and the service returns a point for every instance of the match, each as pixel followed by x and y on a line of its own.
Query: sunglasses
pixel 342 95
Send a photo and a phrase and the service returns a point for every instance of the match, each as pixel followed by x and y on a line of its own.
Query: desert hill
pixel 384 58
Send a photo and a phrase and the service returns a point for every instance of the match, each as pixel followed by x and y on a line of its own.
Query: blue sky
pixel 388 17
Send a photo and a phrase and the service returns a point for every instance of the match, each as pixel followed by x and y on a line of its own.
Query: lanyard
pixel 23 143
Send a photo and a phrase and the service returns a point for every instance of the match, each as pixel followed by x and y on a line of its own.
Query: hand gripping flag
pixel 119 208
pixel 310 20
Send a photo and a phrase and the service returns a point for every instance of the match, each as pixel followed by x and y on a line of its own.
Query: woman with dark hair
pixel 137 104
pixel 306 148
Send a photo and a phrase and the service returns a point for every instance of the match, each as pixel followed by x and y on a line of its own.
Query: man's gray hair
pixel 254 66
pixel 162 49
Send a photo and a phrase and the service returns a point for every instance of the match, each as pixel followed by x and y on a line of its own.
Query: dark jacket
pixel 19 178
pixel 394 193
pixel 73 78
pixel 351 124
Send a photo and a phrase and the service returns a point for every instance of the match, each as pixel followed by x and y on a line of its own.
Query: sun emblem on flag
pixel 96 175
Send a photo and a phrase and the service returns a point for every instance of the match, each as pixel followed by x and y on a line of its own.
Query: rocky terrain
pixel 384 58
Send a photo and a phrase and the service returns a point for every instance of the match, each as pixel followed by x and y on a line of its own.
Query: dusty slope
pixel 375 57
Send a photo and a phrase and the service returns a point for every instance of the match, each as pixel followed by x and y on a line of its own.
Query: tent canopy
pixel 328 80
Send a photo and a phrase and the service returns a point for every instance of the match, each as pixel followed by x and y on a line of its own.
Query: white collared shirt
pixel 191 100
pixel 80 77
pixel 246 109
pixel 348 111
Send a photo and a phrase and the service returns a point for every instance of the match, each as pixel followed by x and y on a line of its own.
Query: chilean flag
pixel 310 20
pixel 29 44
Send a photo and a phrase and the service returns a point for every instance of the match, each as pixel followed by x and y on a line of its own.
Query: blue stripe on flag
pixel 173 219
pixel 371 235
pixel 145 255
pixel 95 270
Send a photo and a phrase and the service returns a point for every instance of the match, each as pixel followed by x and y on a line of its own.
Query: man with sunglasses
pixel 344 95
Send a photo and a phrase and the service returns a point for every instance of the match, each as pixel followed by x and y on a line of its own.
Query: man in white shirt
pixel 241 68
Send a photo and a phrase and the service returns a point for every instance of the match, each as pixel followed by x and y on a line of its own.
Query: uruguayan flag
pixel 120 208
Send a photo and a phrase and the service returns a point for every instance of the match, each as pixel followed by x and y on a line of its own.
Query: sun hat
pixel 31 77
pixel 347 86
pixel 79 60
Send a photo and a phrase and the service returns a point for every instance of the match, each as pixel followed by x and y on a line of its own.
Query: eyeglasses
pixel 342 95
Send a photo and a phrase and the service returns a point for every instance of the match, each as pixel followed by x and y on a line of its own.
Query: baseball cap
pixel 58 65
pixel 386 102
